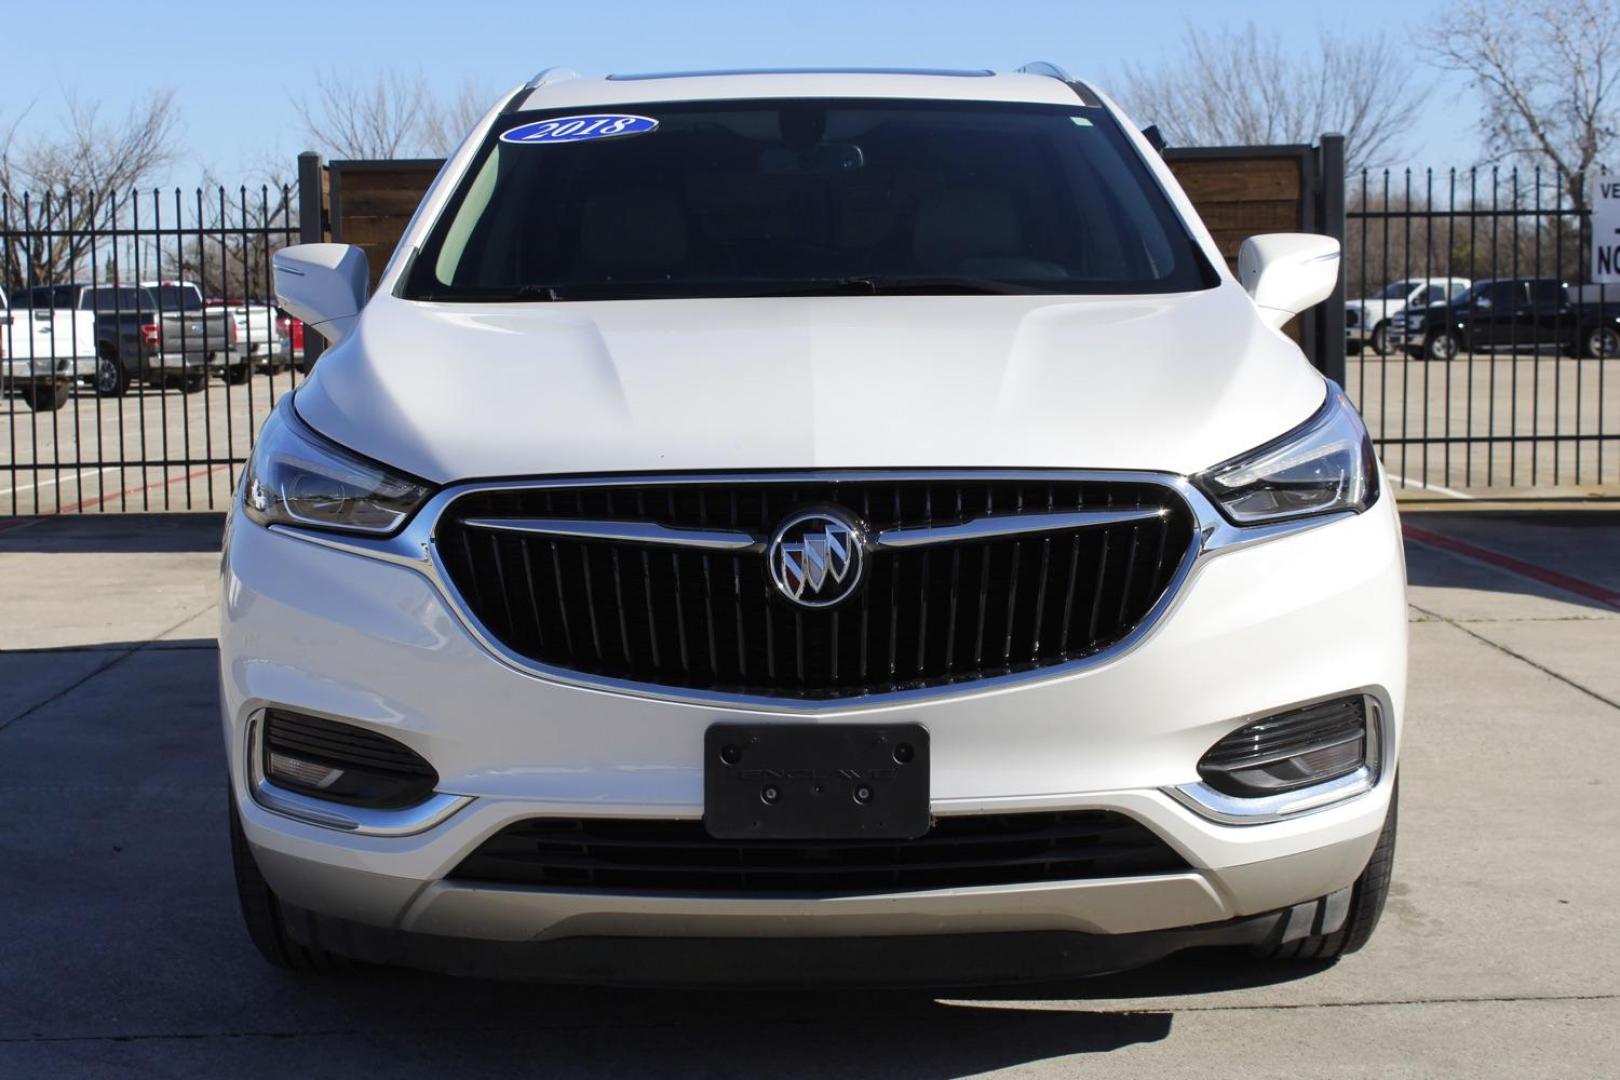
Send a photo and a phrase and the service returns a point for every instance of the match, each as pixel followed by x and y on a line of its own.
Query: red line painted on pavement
pixel 1557 580
pixel 138 490
pixel 16 523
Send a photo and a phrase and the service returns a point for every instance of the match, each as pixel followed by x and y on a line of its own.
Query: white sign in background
pixel 1606 228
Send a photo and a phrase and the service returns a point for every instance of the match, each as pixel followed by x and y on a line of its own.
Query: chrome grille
pixel 704 615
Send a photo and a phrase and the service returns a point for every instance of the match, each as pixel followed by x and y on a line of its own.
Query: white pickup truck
pixel 42 353
pixel 256 343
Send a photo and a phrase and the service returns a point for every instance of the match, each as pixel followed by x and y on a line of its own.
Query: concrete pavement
pixel 122 953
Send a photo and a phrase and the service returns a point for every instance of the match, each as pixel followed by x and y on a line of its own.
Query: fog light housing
pixel 1300 748
pixel 344 763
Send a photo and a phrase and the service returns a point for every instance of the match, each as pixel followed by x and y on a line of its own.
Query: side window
pixel 1427 295
pixel 1458 288
pixel 1546 292
pixel 1505 294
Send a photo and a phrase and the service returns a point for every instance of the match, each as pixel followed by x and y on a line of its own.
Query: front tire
pixel 1367 898
pixel 263 915
pixel 1442 347
pixel 237 374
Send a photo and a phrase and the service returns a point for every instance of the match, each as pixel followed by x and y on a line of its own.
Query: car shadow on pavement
pixel 121 533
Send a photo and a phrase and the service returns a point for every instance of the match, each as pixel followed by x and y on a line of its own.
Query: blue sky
pixel 236 68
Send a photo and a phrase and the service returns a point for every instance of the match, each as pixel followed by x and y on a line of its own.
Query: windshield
pixel 759 198
pixel 177 297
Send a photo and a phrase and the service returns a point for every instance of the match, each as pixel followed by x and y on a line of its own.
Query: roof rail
pixel 546 76
pixel 1086 95
pixel 543 77
pixel 1041 67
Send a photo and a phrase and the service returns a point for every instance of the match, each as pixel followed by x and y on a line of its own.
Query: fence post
pixel 311 230
pixel 1330 324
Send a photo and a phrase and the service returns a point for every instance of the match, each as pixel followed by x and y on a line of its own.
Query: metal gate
pixel 166 351
pixel 1526 397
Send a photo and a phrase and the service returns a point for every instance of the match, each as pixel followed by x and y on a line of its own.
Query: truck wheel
pixel 1601 343
pixel 111 378
pixel 190 384
pixel 1367 898
pixel 1442 347
pixel 237 374
pixel 1380 339
pixel 46 397
pixel 262 912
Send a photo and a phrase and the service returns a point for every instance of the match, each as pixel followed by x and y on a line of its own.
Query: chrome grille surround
pixel 415 547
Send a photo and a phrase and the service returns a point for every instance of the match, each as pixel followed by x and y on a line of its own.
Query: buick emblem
pixel 815 557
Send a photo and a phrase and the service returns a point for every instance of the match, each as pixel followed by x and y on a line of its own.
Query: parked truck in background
pixel 141 338
pixel 42 353
pixel 1366 320
pixel 1513 315
pixel 258 338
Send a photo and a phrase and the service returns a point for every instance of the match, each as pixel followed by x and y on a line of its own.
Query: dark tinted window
pixel 116 298
pixel 778 198
pixel 176 297
pixel 1500 293
pixel 1547 291
pixel 52 296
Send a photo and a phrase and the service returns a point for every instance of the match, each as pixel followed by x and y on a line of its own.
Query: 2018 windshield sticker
pixel 568 129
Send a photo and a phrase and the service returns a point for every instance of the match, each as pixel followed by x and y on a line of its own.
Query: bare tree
pixel 238 229
pixel 375 116
pixel 446 123
pixel 57 187
pixel 1239 87
pixel 1548 76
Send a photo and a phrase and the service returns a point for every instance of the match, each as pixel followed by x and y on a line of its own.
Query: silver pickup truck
pixel 43 352
pixel 144 337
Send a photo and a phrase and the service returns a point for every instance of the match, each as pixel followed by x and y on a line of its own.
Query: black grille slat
pixel 923 616
pixel 678 856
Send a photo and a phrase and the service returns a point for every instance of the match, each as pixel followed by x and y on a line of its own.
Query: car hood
pixel 460 391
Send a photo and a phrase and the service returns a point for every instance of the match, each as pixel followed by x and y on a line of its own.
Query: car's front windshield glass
pixel 809 196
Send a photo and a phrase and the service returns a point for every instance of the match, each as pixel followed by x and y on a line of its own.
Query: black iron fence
pixel 1479 355
pixel 141 348
pixel 165 351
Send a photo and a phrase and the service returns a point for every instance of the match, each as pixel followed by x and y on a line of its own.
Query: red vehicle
pixel 291 334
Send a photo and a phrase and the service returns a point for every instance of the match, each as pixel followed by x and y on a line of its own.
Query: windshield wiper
pixel 633 290
pixel 906 285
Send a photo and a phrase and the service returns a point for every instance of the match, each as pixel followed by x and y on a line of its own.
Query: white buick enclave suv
pixel 776 526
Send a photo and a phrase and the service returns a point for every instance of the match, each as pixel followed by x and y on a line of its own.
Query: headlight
pixel 297 477
pixel 1323 466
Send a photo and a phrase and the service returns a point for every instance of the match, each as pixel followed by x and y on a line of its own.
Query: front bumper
pixel 1252 630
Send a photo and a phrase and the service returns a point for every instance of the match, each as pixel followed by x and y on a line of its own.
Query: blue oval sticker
pixel 567 129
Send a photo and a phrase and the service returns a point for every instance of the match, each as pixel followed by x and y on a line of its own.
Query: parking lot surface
pixel 1499 954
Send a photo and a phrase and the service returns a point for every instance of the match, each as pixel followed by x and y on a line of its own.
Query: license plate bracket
pixel 816 781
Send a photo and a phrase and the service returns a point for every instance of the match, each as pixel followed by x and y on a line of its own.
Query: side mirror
pixel 1286 273
pixel 323 285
